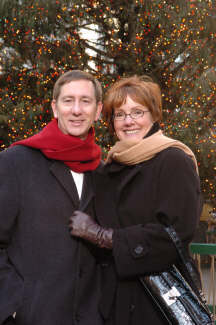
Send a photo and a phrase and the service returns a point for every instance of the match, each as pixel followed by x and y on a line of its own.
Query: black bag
pixel 177 301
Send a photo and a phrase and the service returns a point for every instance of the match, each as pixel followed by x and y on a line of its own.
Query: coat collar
pixel 127 173
pixel 63 175
pixel 109 183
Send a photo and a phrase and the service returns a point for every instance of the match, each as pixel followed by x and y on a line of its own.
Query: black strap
pixel 177 242
pixel 192 273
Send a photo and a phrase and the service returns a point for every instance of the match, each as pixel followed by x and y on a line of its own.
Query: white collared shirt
pixel 78 180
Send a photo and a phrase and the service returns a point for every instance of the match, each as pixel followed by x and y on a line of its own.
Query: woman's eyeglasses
pixel 120 116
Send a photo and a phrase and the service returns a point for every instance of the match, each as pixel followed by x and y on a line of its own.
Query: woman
pixel 149 181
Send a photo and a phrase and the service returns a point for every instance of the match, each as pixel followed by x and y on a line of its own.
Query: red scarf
pixel 79 155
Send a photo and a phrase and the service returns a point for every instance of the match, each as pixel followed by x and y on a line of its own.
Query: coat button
pixel 132 307
pixel 138 250
pixel 104 264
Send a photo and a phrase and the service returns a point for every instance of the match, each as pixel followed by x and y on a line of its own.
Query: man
pixel 48 277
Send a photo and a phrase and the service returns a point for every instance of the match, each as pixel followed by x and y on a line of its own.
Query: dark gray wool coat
pixel 136 201
pixel 46 276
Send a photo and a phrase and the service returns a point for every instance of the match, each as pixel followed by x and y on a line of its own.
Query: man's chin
pixel 82 134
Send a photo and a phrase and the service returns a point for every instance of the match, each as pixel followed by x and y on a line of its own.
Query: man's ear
pixel 54 108
pixel 98 111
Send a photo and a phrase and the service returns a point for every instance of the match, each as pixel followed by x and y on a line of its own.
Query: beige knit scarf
pixel 131 152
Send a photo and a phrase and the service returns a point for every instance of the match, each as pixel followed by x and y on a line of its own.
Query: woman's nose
pixel 128 119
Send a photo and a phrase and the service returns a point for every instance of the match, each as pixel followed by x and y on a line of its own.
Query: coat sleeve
pixel 11 283
pixel 142 249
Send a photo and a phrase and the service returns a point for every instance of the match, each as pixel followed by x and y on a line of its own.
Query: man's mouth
pixel 76 122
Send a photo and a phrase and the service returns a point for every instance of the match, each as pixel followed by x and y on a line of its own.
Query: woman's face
pixel 132 128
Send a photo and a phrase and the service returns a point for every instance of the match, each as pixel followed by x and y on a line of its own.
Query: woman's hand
pixel 82 225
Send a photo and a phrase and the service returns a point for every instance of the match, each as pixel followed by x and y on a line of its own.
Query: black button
pixel 132 307
pixel 104 264
pixel 138 250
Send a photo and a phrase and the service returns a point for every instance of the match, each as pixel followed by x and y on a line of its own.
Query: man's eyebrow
pixel 67 96
pixel 86 96
pixel 71 96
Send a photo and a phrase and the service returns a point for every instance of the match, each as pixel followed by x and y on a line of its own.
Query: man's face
pixel 76 108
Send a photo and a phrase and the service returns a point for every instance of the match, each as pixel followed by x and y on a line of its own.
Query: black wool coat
pixel 46 276
pixel 136 201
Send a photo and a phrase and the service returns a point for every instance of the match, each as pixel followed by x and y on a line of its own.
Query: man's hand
pixel 82 225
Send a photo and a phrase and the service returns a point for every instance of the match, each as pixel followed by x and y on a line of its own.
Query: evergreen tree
pixel 172 41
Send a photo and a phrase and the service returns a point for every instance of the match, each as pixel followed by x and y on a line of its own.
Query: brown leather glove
pixel 82 225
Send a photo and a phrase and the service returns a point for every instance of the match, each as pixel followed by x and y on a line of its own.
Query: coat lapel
pixel 129 174
pixel 87 191
pixel 109 184
pixel 104 193
pixel 64 177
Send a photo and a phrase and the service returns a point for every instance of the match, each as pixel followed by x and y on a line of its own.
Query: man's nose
pixel 76 109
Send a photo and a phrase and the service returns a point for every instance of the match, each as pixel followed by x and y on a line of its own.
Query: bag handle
pixel 186 262
pixel 177 242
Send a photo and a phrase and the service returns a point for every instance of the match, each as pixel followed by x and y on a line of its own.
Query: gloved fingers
pixel 70 227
